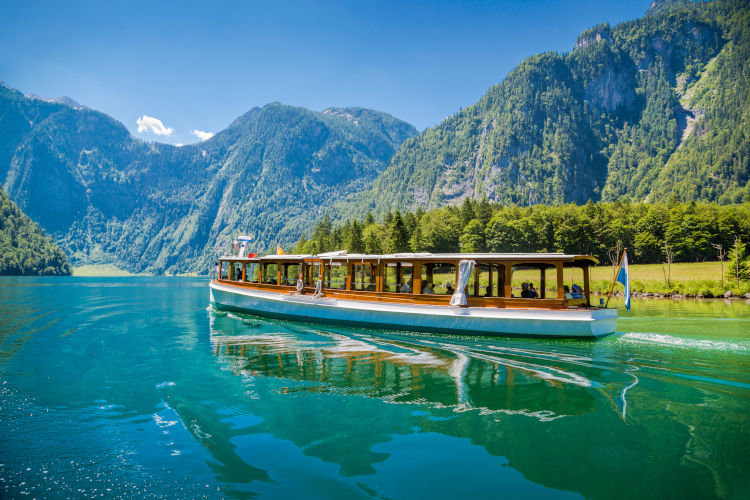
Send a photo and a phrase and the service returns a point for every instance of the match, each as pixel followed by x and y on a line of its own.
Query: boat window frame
pixel 264 272
pixel 253 276
pixel 221 269
pixel 425 271
pixel 496 281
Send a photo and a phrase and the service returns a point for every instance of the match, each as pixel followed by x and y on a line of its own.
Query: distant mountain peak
pixel 594 35
pixel 64 100
pixel 350 114
pixel 658 6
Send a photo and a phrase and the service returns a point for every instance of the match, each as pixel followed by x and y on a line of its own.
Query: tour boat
pixel 505 294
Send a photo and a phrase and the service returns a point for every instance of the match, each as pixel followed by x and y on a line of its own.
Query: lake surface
pixel 133 387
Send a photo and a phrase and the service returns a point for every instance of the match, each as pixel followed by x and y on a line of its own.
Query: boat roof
pixel 342 255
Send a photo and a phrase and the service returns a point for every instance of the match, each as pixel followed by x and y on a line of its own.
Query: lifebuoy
pixel 300 285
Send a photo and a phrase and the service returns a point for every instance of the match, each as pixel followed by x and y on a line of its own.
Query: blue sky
pixel 196 66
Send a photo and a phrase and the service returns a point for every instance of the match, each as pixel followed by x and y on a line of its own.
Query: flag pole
pixel 619 266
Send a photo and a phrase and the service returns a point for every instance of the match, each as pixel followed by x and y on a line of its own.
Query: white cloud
pixel 154 125
pixel 203 136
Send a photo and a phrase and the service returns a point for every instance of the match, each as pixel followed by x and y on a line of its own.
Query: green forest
pixel 24 248
pixel 684 232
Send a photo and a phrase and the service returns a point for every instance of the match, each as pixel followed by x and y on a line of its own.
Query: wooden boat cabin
pixel 526 281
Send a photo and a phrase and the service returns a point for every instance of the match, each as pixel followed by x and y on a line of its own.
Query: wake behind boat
pixel 474 294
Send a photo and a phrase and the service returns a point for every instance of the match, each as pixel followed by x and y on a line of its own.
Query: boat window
pixel 549 289
pixel 251 272
pixel 290 273
pixel 526 281
pixel 574 281
pixel 398 277
pixel 311 278
pixel 438 278
pixel 336 276
pixel 224 270
pixel 483 282
pixel 407 279
pixel 364 277
pixel 236 271
pixel 270 275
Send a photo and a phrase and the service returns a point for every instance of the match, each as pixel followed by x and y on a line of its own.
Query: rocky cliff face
pixel 599 33
pixel 106 197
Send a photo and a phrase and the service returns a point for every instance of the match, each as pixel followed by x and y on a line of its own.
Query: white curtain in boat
pixel 465 268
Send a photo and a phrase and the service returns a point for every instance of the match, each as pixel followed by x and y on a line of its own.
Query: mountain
pixel 106 197
pixel 654 109
pixel 24 248
pixel 644 110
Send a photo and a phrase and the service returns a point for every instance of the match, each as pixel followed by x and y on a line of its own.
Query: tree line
pixel 686 232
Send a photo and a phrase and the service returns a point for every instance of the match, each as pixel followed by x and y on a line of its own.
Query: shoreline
pixel 674 296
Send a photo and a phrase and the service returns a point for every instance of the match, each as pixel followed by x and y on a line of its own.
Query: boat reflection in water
pixel 554 411
pixel 433 371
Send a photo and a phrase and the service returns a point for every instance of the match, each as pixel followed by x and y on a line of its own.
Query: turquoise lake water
pixel 132 387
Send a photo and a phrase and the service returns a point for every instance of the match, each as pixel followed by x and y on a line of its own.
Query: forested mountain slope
pixel 24 249
pixel 638 111
pixel 107 197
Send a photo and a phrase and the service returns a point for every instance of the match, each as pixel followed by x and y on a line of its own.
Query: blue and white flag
pixel 624 277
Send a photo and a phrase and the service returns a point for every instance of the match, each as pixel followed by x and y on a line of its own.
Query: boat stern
pixel 603 322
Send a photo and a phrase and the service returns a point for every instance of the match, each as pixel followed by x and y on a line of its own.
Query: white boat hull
pixel 581 323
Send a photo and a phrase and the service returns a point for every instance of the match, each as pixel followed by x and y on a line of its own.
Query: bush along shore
pixel 676 290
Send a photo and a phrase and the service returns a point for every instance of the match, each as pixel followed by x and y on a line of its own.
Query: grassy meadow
pixel 691 279
pixel 100 270
pixel 687 278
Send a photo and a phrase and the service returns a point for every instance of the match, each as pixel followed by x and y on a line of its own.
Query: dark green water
pixel 131 387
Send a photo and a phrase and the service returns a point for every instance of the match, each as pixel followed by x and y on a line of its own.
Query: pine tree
pixel 373 239
pixel 467 211
pixel 355 243
pixel 738 265
pixel 388 218
pixel 398 240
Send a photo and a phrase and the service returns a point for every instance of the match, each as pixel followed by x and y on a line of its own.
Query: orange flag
pixel 279 251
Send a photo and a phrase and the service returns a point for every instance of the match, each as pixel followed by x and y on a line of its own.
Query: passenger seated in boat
pixel 406 288
pixel 427 288
pixel 449 288
pixel 525 293
pixel 488 292
pixel 568 295
pixel 577 293
pixel 532 291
